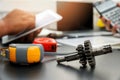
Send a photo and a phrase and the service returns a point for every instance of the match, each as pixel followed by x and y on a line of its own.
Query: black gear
pixel 80 50
pixel 88 53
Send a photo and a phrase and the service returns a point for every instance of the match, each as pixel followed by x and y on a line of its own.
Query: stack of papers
pixel 96 41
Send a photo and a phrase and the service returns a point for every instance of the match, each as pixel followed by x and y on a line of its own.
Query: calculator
pixel 109 10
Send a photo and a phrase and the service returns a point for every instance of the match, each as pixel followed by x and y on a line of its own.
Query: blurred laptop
pixel 78 22
pixel 76 16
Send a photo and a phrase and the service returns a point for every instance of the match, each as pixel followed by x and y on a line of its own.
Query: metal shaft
pixel 95 52
pixel 102 50
pixel 68 58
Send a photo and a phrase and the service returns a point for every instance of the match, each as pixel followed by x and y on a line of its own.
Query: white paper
pixel 96 41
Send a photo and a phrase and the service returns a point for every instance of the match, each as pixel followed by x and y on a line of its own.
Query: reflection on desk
pixel 13 71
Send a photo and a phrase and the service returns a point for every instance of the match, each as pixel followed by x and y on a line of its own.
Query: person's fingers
pixel 108 26
pixel 30 37
pixel 114 29
pixel 37 32
pixel 103 20
pixel 107 23
pixel 25 39
pixel 118 4
pixel 100 16
pixel 20 40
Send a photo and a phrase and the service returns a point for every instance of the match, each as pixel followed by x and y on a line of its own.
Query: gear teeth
pixel 107 49
pixel 88 53
pixel 80 50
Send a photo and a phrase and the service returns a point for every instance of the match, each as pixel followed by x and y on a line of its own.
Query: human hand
pixel 18 21
pixel 108 26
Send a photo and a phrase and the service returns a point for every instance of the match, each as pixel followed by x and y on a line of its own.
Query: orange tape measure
pixel 49 44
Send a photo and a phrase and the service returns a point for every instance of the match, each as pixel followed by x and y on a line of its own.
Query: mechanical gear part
pixel 88 52
pixel 80 50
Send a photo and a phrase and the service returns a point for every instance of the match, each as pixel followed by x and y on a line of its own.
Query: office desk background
pixel 107 68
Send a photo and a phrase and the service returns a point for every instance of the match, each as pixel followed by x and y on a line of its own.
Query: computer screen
pixel 76 16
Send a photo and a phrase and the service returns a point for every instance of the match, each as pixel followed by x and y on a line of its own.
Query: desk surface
pixel 107 68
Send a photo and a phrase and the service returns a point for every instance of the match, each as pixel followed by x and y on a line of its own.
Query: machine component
pixel 86 54
pixel 81 54
pixel 49 44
